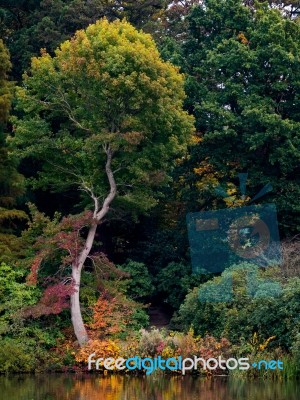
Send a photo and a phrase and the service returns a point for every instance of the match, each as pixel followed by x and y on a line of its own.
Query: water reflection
pixel 72 387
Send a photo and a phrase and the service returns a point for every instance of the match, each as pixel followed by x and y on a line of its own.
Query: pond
pixel 117 387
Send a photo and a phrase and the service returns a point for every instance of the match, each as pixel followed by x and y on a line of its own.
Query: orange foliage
pixel 243 38
pixel 102 348
pixel 111 314
pixel 32 277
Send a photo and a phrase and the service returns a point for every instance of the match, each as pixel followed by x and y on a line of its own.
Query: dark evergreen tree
pixel 243 88
pixel 10 180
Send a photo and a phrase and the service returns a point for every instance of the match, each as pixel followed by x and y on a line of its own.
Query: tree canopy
pixel 106 87
pixel 243 89
pixel 104 115
pixel 28 26
pixel 10 181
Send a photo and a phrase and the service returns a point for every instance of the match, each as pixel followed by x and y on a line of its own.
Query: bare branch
pixel 91 193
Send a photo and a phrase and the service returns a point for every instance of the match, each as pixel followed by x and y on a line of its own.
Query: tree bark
pixel 78 264
pixel 77 321
pixel 78 325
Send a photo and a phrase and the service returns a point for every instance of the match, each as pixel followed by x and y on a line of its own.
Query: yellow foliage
pixel 196 139
pixel 208 176
pixel 243 38
pixel 256 345
pixel 168 352
pixel 264 345
pixel 233 200
pixel 102 348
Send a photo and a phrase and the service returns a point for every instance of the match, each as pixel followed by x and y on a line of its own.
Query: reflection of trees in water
pixel 117 387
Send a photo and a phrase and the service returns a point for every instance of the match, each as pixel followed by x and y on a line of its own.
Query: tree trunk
pixel 78 264
pixel 79 328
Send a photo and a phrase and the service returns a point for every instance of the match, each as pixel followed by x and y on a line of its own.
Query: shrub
pixel 140 284
pixel 16 356
pixel 263 308
pixel 150 342
pixel 102 348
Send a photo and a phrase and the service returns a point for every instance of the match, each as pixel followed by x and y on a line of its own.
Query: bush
pixel 270 307
pixel 150 342
pixel 296 352
pixel 175 290
pixel 15 356
pixel 102 348
pixel 139 286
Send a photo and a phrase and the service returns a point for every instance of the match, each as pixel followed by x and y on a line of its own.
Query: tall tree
pixel 5 93
pixel 243 87
pixel 28 26
pixel 288 8
pixel 10 180
pixel 103 115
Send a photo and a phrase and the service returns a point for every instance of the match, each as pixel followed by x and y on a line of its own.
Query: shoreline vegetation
pixel 117 340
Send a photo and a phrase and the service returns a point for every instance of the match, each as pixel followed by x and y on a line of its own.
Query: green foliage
pixel 139 285
pixel 107 88
pixel 24 343
pixel 174 281
pixel 33 352
pixel 243 89
pixel 10 181
pixel 15 295
pixel 5 86
pixel 15 356
pixel 296 354
pixel 140 319
pixel 257 307
pixel 30 243
pixel 32 25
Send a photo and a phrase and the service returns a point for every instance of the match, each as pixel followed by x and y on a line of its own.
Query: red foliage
pixel 54 300
pixel 66 238
pixel 69 238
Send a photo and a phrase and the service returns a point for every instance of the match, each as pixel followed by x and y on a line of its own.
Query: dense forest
pixel 117 120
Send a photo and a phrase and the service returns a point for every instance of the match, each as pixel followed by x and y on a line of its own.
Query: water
pixel 116 387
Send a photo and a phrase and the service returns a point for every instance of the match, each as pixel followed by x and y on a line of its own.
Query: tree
pixel 5 87
pixel 28 26
pixel 103 115
pixel 288 8
pixel 10 180
pixel 174 19
pixel 243 90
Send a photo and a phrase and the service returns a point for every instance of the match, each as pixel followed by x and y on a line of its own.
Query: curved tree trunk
pixel 79 328
pixel 78 264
